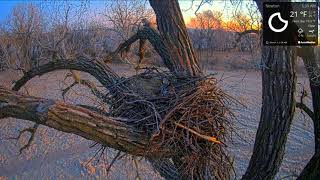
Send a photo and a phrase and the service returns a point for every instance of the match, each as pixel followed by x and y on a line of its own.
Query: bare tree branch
pixel 97 69
pixel 109 131
pixel 303 106
pixel 155 39
pixel 306 109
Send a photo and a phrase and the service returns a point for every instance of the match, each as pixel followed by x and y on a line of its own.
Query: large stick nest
pixel 189 117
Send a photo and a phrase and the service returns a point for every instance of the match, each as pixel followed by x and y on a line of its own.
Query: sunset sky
pixel 188 8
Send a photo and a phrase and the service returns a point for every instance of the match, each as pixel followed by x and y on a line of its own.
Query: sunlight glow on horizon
pixel 226 7
pixel 188 8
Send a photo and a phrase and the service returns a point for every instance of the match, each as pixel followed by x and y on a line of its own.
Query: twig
pixel 208 138
pixel 304 107
pixel 113 161
pixel 32 131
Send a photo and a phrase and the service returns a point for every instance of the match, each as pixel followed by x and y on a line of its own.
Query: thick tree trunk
pixel 184 63
pixel 278 105
pixel 311 171
pixel 174 33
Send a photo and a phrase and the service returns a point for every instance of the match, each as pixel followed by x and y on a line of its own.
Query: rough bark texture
pixel 97 69
pixel 311 171
pixel 174 33
pixel 278 104
pixel 157 42
pixel 108 131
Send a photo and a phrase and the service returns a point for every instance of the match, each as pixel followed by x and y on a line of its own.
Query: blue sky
pixel 186 6
pixel 6 6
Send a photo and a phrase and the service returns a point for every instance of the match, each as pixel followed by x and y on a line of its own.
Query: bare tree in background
pixel 246 26
pixel 20 45
pixel 125 17
pixel 206 24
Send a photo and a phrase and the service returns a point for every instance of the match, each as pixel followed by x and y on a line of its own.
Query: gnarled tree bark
pixel 278 106
pixel 97 69
pixel 109 131
pixel 174 33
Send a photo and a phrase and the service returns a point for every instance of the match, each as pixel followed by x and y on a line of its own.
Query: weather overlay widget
pixel 290 23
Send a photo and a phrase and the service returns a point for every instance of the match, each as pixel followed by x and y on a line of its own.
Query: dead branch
pixel 208 138
pixel 113 161
pixel 97 69
pixel 109 131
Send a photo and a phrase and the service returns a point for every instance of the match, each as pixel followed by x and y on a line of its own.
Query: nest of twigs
pixel 190 117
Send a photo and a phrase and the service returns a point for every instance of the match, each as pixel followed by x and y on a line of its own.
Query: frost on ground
pixel 59 155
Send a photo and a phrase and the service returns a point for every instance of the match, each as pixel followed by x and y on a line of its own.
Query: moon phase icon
pixel 280 18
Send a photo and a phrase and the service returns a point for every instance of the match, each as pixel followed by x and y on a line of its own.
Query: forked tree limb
pixel 157 42
pixel 109 131
pixel 93 67
pixel 97 69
